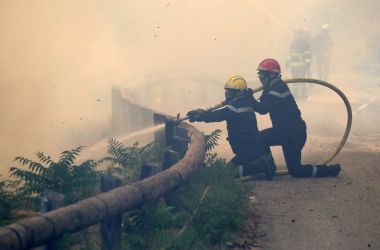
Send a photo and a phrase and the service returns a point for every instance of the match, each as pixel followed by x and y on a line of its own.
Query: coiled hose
pixel 346 103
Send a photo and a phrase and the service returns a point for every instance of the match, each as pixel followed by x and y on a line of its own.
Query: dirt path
pixel 333 213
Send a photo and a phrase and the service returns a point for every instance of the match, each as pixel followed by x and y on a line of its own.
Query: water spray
pixel 97 150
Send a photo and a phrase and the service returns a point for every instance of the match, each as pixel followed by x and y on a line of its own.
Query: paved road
pixel 333 213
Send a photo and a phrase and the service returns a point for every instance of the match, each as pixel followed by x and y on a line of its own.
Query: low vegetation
pixel 204 213
pixel 74 181
pixel 7 202
pixel 125 162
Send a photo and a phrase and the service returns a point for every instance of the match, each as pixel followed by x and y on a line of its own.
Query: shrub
pixel 5 202
pixel 203 213
pixel 74 181
pixel 212 203
pixel 126 161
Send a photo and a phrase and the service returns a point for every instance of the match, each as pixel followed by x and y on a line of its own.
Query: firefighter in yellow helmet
pixel 251 156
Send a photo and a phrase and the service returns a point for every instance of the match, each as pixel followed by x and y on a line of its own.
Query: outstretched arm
pixel 218 115
pixel 267 103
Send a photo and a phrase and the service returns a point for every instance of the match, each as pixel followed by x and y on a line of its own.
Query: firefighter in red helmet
pixel 288 128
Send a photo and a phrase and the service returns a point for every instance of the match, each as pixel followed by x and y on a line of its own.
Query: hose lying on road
pixel 346 103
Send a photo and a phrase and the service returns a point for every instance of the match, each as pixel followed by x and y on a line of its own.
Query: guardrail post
pixel 149 169
pixel 169 130
pixel 111 227
pixel 51 200
pixel 171 157
pixel 180 140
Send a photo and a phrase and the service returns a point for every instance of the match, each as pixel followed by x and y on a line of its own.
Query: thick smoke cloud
pixel 59 59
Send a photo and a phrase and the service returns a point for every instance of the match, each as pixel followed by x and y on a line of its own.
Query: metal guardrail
pixel 39 230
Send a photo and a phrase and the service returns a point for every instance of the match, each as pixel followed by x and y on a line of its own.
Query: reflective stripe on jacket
pixel 243 133
pixel 279 102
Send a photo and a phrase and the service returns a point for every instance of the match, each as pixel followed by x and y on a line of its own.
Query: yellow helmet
pixel 236 82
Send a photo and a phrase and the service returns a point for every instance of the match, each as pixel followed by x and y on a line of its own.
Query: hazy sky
pixel 58 59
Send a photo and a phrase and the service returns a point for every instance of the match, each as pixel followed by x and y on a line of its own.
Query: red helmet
pixel 270 65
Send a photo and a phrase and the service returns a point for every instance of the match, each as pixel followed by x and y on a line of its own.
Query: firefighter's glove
pixel 196 115
pixel 249 95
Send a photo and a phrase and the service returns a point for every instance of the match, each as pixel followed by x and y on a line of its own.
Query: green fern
pixel 10 199
pixel 126 161
pixel 67 157
pixel 33 166
pixel 202 214
pixel 212 139
pixel 149 226
pixel 74 181
pixel 5 201
pixel 44 158
pixel 211 142
pixel 217 214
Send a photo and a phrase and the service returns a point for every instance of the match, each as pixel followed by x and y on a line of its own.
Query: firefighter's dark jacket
pixel 243 134
pixel 278 101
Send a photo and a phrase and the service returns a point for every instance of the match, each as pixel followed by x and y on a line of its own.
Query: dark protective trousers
pixel 292 144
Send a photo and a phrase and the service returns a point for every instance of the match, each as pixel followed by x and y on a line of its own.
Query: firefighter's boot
pixel 264 165
pixel 334 170
pixel 326 171
pixel 270 166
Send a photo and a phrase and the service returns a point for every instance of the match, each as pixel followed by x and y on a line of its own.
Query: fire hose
pixel 317 82
pixel 348 109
